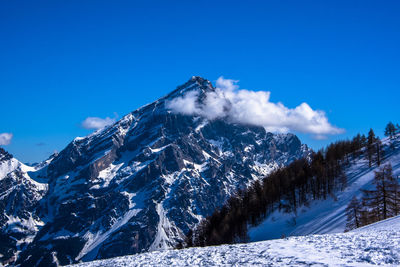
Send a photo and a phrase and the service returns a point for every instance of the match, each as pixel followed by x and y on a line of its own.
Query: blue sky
pixel 64 61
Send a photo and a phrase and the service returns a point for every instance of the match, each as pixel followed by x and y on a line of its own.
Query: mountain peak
pixel 194 83
pixel 4 155
pixel 199 79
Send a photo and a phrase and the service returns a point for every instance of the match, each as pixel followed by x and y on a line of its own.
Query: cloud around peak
pixel 5 138
pixel 97 123
pixel 255 108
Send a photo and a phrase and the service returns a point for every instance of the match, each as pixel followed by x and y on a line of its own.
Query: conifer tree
pixel 363 140
pixel 353 214
pixel 382 202
pixel 370 146
pixel 390 130
pixel 394 197
pixel 378 151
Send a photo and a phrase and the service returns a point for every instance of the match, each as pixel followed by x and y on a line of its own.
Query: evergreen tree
pixel 390 130
pixel 382 202
pixel 363 140
pixel 370 146
pixel 378 151
pixel 353 214
pixel 393 189
pixel 356 144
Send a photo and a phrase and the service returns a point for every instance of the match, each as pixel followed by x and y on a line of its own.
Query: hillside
pixel 376 244
pixel 328 216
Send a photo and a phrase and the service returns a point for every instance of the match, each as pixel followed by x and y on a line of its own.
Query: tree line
pixel 377 204
pixel 286 189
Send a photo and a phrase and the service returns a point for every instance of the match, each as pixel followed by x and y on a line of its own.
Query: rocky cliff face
pixel 141 183
pixel 19 196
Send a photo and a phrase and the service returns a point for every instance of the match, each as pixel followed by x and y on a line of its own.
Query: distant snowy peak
pixel 45 163
pixel 13 171
pixel 19 196
pixel 10 165
pixel 4 155
pixel 7 163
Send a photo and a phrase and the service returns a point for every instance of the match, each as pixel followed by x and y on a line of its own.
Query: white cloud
pixel 97 123
pixel 5 138
pixel 319 137
pixel 255 108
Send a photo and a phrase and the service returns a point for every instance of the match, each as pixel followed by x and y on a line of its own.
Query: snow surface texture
pixel 328 216
pixel 376 244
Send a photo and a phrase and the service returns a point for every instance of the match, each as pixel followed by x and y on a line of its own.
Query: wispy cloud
pixel 97 123
pixel 5 138
pixel 41 144
pixel 319 137
pixel 255 108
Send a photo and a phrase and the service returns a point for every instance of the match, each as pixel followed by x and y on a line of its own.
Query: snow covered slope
pixel 19 196
pixel 327 216
pixel 376 244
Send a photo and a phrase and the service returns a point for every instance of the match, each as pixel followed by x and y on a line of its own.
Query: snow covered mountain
pixel 135 186
pixel 375 244
pixel 329 216
pixel 19 195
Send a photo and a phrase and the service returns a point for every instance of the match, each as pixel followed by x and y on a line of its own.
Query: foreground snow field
pixel 376 244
